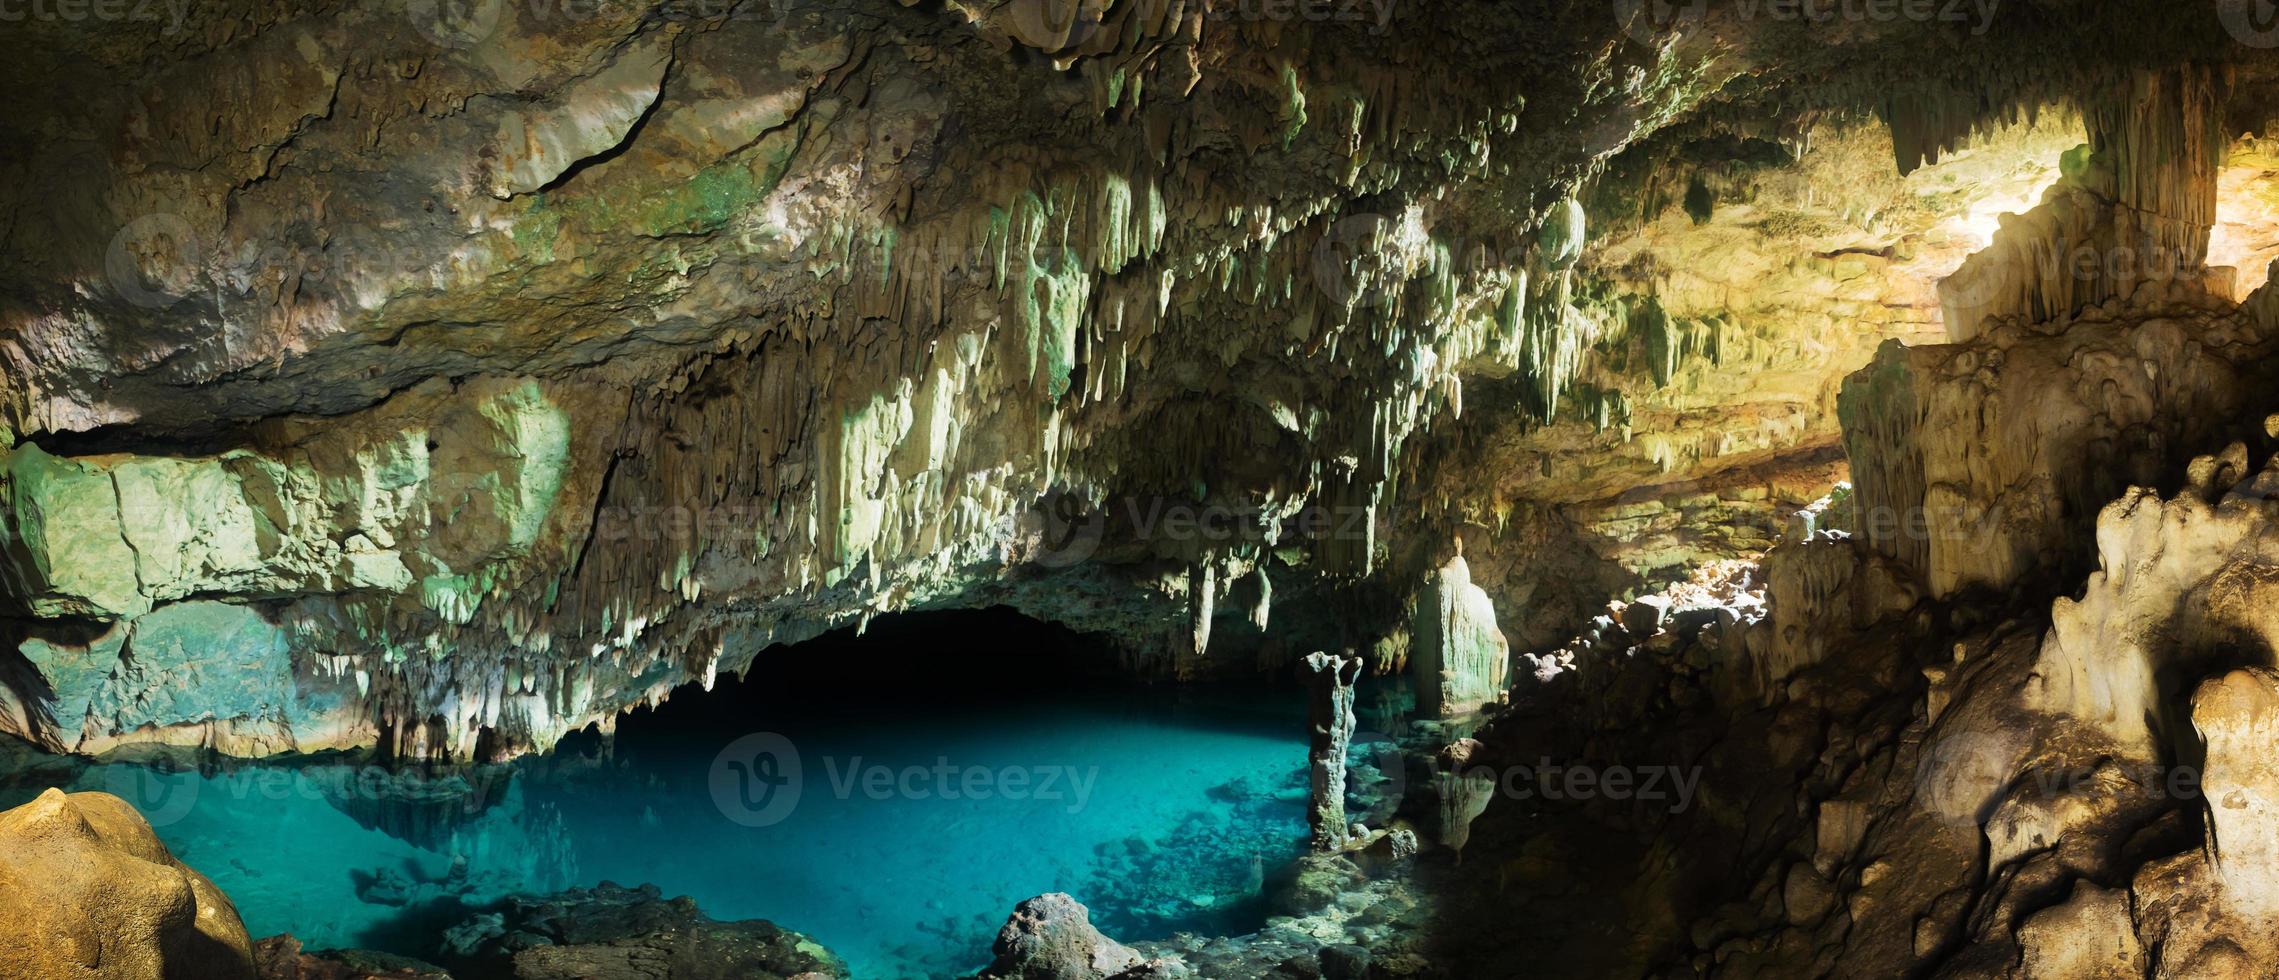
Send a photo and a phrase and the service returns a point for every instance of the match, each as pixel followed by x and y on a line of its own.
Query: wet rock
pixel 87 890
pixel 2238 716
pixel 614 933
pixel 1344 963
pixel 1317 882
pixel 1392 847
pixel 1806 895
pixel 1050 937
pixel 1330 705
pixel 2089 937
pixel 282 958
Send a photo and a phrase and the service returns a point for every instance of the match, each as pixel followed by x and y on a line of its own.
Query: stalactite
pixel 1262 604
pixel 2135 207
pixel 1202 595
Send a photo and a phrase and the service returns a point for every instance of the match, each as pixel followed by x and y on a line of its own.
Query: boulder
pixel 1317 882
pixel 87 891
pixel 1050 937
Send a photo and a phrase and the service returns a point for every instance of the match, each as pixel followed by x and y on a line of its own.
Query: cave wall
pixel 803 313
pixel 512 369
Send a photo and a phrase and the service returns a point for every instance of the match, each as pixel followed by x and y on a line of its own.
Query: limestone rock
pixel 88 891
pixel 2089 937
pixel 1464 787
pixel 1050 937
pixel 2238 717
pixel 282 958
pixel 1643 617
pixel 1329 680
pixel 1318 881
pixel 2185 560
pixel 1458 655
pixel 614 933
pixel 1981 465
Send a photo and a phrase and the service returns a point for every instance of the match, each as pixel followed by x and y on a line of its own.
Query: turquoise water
pixel 924 811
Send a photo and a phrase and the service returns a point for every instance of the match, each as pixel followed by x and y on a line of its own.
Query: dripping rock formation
pixel 1814 475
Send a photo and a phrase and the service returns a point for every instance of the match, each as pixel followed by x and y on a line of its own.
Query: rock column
pixel 2238 715
pixel 1457 654
pixel 1331 679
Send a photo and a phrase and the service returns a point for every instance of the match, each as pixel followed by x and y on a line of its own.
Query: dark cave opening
pixel 963 761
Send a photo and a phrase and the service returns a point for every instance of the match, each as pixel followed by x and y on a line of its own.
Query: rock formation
pixel 87 890
pixel 1050 937
pixel 1860 423
pixel 610 932
pixel 282 958
pixel 1456 654
pixel 490 375
pixel 1329 680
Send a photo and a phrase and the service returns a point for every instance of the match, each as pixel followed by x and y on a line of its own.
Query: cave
pixel 1580 488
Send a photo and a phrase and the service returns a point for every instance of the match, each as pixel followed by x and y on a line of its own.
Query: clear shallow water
pixel 922 816
pixel 1090 797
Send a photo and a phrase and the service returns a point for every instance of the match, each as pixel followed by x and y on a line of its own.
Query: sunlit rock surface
pixel 87 890
pixel 1983 464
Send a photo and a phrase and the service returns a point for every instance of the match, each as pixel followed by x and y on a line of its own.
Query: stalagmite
pixel 1457 655
pixel 1329 680
pixel 2238 715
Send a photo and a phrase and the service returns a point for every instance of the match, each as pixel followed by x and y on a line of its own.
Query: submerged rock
pixel 282 958
pixel 610 932
pixel 88 891
pixel 1319 880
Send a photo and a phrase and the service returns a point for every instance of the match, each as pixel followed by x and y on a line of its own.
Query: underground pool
pixel 885 795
